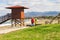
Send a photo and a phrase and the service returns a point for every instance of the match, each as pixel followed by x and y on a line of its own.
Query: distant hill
pixel 48 13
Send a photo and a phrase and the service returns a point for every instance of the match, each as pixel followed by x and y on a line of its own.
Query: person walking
pixel 32 21
pixel 35 21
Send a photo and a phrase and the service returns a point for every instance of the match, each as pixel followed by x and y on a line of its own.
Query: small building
pixel 17 14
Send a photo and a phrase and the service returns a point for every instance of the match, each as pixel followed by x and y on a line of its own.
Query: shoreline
pixel 2 25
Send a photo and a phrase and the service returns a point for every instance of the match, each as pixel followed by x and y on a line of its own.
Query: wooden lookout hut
pixel 17 14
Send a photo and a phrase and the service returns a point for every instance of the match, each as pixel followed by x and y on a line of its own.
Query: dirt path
pixel 4 30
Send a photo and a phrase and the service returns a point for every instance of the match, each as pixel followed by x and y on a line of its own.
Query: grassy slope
pixel 42 32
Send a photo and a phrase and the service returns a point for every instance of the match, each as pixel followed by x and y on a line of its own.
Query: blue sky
pixel 33 5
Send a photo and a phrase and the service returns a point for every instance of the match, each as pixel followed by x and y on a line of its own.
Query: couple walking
pixel 33 21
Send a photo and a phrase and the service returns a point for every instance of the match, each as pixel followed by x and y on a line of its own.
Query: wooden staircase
pixel 5 18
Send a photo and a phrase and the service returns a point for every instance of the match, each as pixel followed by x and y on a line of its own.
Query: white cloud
pixel 37 5
pixel 40 5
pixel 3 9
pixel 55 1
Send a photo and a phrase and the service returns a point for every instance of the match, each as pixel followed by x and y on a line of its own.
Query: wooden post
pixel 58 20
pixel 11 22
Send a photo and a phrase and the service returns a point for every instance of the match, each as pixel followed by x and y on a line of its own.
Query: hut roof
pixel 16 7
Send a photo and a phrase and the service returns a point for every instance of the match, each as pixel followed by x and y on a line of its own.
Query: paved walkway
pixel 9 29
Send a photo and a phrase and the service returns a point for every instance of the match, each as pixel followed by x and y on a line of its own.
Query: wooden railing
pixel 5 18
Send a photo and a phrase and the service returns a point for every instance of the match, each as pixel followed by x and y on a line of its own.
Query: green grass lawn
pixel 40 32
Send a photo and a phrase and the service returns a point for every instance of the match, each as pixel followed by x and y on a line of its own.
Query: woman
pixel 35 21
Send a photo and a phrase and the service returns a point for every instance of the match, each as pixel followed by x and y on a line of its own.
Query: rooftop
pixel 16 7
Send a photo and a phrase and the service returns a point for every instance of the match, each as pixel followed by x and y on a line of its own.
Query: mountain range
pixel 35 14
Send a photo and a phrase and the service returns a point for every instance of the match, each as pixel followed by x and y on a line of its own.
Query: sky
pixel 33 5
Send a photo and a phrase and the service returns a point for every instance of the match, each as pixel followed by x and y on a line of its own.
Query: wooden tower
pixel 17 14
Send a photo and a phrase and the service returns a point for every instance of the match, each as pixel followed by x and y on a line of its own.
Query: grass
pixel 40 32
